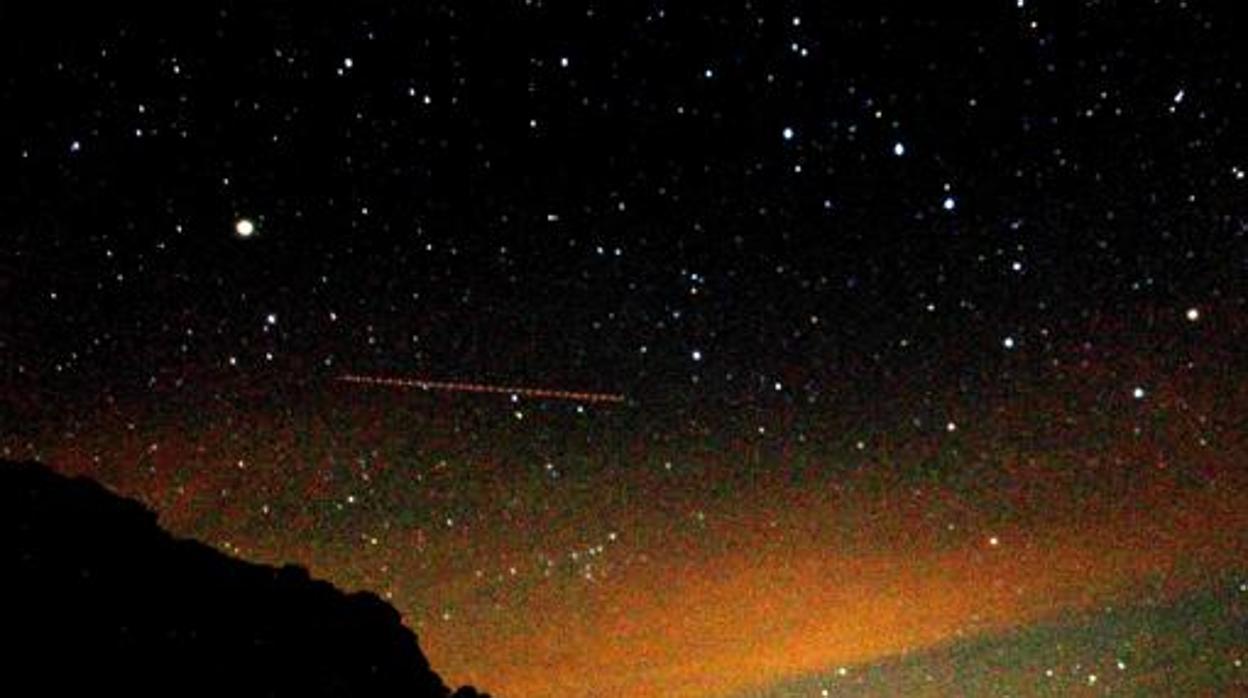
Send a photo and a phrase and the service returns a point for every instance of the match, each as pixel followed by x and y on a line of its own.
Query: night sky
pixel 929 329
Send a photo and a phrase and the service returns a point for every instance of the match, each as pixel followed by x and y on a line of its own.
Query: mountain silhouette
pixel 98 599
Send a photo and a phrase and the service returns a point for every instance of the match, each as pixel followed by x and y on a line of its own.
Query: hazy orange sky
pixel 648 552
pixel 713 624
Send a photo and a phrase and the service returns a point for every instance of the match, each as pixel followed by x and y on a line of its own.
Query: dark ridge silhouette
pixel 97 598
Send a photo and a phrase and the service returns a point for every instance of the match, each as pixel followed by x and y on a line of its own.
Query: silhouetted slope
pixel 98 598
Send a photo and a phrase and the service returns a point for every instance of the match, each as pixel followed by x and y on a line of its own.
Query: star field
pixel 928 328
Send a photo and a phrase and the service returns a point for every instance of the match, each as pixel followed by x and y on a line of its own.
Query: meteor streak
pixel 455 387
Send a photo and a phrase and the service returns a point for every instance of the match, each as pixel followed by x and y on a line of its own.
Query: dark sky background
pixel 929 327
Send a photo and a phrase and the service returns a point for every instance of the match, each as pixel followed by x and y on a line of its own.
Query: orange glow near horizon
pixel 623 554
pixel 728 623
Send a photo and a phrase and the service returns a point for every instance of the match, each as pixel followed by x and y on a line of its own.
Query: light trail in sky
pixel 461 387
